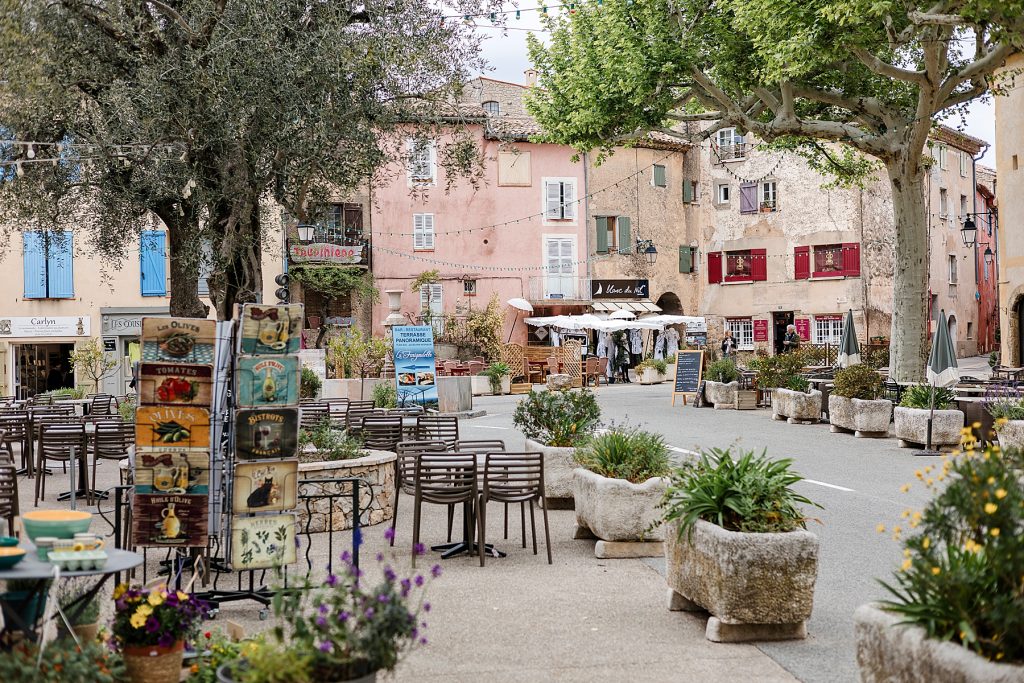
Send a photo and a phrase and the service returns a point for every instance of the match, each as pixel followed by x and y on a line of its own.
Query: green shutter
pixel 625 244
pixel 659 175
pixel 687 192
pixel 685 259
pixel 602 234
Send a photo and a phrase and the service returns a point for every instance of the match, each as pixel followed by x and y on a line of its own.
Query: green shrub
pixel 385 395
pixel 751 494
pixel 625 453
pixel 67 393
pixel 659 366
pixel 494 372
pixel 858 381
pixel 558 418
pixel 126 409
pixel 961 579
pixel 774 371
pixel 798 383
pixel 919 396
pixel 723 371
pixel 993 359
pixel 330 443
pixel 875 357
pixel 310 384
pixel 61 661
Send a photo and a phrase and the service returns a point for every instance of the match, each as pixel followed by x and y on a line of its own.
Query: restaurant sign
pixel 618 289
pixel 325 253
pixel 45 326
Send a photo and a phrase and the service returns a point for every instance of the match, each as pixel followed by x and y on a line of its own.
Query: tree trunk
pixel 908 351
pixel 238 277
pixel 185 262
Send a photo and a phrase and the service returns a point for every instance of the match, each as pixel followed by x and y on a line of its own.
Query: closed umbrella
pixel 519 305
pixel 849 351
pixel 942 371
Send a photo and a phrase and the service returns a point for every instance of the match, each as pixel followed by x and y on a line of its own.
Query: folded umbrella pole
pixel 942 372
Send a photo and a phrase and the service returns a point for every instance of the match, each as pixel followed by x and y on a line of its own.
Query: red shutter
pixel 802 263
pixel 851 258
pixel 714 267
pixel 758 264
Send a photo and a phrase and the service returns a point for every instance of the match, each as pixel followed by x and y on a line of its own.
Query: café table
pixel 468 543
pixel 975 412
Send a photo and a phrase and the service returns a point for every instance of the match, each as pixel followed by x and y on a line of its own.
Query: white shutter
pixel 434 303
pixel 428 231
pixel 569 201
pixel 422 231
pixel 422 161
pixel 552 199
pixel 431 162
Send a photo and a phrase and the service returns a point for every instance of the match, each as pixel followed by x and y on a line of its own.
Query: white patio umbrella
pixel 519 305
pixel 622 314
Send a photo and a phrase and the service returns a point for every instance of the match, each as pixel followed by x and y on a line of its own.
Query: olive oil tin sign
pixel 262 542
pixel 179 340
pixel 266 486
pixel 271 330
pixel 169 520
pixel 172 471
pixel 268 382
pixel 175 384
pixel 159 426
pixel 266 434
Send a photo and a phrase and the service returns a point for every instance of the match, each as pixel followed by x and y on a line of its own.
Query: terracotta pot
pixel 153 663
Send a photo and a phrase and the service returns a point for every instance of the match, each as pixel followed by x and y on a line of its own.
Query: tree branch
pixel 881 68
pixel 929 19
pixel 173 15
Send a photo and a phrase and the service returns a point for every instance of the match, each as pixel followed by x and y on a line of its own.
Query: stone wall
pixel 376 501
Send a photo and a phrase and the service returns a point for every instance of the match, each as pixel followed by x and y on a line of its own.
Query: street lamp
pixel 647 249
pixel 306 232
pixel 969 232
pixel 989 255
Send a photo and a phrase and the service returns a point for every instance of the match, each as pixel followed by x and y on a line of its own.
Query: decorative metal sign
pixel 619 289
pixel 265 486
pixel 172 470
pixel 178 340
pixel 271 330
pixel 159 426
pixel 268 382
pixel 175 384
pixel 169 520
pixel 265 434
pixel 325 253
pixel 262 542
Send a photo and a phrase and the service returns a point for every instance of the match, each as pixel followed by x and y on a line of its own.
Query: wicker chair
pixel 514 478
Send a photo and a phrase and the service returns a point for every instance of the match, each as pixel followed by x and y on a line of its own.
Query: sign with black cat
pixel 265 486
pixel 270 433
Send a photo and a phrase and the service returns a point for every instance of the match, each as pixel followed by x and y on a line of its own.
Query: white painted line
pixel 488 427
pixel 677 449
pixel 831 486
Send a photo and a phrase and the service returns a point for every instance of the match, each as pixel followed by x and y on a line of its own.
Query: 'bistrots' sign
pixel 618 289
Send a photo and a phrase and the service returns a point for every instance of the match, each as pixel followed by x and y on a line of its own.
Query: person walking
pixel 728 344
pixel 791 340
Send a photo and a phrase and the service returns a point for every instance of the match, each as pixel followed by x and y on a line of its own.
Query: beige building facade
pixel 1010 199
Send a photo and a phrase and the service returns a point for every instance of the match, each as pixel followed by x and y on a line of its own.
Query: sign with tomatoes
pixel 175 384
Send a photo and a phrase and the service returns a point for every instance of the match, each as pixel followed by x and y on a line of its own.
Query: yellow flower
pixel 976 425
pixel 905 513
pixel 1000 421
pixel 904 488
pixel 120 590
pixel 138 620
pixel 155 599
pixel 994 531
pixel 907 564
pixel 896 533
pixel 919 474
pixel 182 596
pixel 936 570
pixel 926 543
pixel 1000 494
pixel 917 515
pixel 928 469
pixel 906 552
pixel 930 481
pixel 880 528
pixel 144 610
pixel 991 480
pixel 990 508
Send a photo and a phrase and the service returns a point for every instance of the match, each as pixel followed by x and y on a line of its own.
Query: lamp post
pixel 306 232
pixel 970 231
pixel 647 249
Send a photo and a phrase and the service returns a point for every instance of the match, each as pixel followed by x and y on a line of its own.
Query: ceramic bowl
pixel 8 541
pixel 56 523
pixel 10 556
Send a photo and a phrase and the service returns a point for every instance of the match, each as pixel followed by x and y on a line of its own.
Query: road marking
pixel 831 486
pixel 677 449
pixel 487 427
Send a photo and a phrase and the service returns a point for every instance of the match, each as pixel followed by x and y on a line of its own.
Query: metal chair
pixel 446 479
pixel 56 442
pixel 362 404
pixel 113 440
pixel 9 495
pixel 482 447
pixel 312 414
pixel 382 432
pixel 354 418
pixel 102 404
pixel 405 475
pixel 514 478
pixel 337 407
pixel 438 428
pixel 17 429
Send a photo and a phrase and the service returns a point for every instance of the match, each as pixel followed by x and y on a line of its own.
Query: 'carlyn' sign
pixel 618 289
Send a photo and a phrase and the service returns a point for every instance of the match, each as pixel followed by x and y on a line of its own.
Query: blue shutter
pixel 153 260
pixel 60 261
pixel 34 265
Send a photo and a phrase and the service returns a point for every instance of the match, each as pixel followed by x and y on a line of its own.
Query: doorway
pixel 1019 315
pixel 780 321
pixel 43 367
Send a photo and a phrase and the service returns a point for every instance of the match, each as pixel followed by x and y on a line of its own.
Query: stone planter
pixel 559 464
pixel 1011 435
pixel 796 407
pixel 912 427
pixel 891 653
pixel 651 376
pixel 352 389
pixel 756 586
pixel 721 395
pixel 863 418
pixel 482 385
pixel 377 501
pixel 624 516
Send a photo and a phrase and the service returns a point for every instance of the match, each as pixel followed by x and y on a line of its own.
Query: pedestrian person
pixel 791 341
pixel 728 344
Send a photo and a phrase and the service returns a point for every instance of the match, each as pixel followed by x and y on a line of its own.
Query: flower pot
pixel 225 674
pixel 721 395
pixel 616 509
pixel 894 653
pixel 756 586
pixel 153 663
pixel 796 407
pixel 86 633
pixel 863 418
pixel 649 376
pixel 1011 434
pixel 506 384
pixel 911 426
pixel 559 464
pixel 22 606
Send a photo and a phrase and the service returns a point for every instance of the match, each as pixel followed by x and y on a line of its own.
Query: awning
pixel 637 306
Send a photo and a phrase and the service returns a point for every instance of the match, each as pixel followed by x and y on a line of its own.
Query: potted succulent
pixel 955 612
pixel 796 402
pixel 150 628
pixel 1007 409
pixel 911 417
pixel 555 423
pixel 855 404
pixel 721 384
pixel 61 661
pixel 499 377
pixel 736 545
pixel 617 489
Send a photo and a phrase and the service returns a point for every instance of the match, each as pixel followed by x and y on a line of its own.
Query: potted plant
pixel 61 661
pixel 721 384
pixel 385 395
pixel 796 402
pixel 357 361
pixel 499 375
pixel 855 404
pixel 1006 407
pixel 554 423
pixel 736 545
pixel 911 417
pixel 309 384
pixel 651 371
pixel 150 628
pixel 82 618
pixel 23 601
pixel 955 612
pixel 617 489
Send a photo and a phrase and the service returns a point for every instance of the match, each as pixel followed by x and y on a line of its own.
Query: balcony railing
pixel 733 152
pixel 554 287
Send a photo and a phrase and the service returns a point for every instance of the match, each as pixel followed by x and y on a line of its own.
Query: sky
pixel 507 57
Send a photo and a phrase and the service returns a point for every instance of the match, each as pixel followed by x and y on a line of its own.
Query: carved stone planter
pixel 863 418
pixel 912 426
pixel 1011 435
pixel 623 515
pixel 892 653
pixel 376 501
pixel 559 463
pixel 352 389
pixel 756 586
pixel 721 395
pixel 796 406
pixel 651 376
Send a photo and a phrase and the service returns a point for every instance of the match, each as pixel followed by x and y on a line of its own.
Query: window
pixel 943 153
pixel 943 202
pixel 422 162
pixel 1014 162
pixel 952 269
pixel 731 145
pixel 828 329
pixel 963 206
pixel 749 265
pixel 970 330
pixel 687 259
pixel 153 262
pixel 559 199
pixel 963 164
pixel 722 193
pixel 742 331
pixel 986 269
pixel 560 267
pixel 48 264
pixel 514 169
pixel 422 231
pixel 469 287
pixel 341 222
pixel 737 265
pixel 431 303
pixel 492 107
pixel 613 234
pixel 828 260
pixel 658 178
pixel 768 196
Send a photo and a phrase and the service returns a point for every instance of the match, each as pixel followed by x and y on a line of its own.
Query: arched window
pixel 491 107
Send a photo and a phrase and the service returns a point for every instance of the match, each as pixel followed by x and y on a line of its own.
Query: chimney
pixel 531 77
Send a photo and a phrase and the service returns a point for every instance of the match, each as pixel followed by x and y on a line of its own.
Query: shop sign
pixel 760 330
pixel 803 328
pixel 618 289
pixel 415 368
pixel 45 326
pixel 267 433
pixel 325 253
pixel 122 325
pixel 262 542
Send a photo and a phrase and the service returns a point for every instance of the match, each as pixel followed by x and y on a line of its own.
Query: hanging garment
pixel 602 346
pixel 671 341
pixel 636 342
pixel 659 348
pixel 556 338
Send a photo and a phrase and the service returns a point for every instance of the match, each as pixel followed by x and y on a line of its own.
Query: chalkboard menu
pixel 689 372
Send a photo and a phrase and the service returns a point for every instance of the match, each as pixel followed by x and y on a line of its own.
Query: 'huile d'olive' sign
pixel 169 520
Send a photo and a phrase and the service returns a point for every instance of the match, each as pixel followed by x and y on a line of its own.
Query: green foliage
pixel 1005 405
pixel 337 281
pixel 659 366
pixel 309 384
pixel 625 453
pixel 961 580
pixel 484 328
pixel 558 418
pixel 427 277
pixel 91 361
pixel 270 661
pixel 919 396
pixel 798 383
pixel 723 370
pixel 352 353
pixel 993 359
pixel 62 662
pixel 67 392
pixel 126 409
pixel 875 356
pixel 775 371
pixel 858 381
pixel 215 650
pixel 385 395
pixel 330 443
pixel 494 373
pixel 751 494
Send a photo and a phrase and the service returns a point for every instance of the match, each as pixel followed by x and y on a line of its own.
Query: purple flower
pixel 380 557
pixel 369 613
pixel 389 573
pixel 172 598
pixel 426 607
pixel 423 641
pixel 435 571
pixel 419 579
pixel 384 598
pixel 120 604
pixel 343 616
pixel 298 542
pixel 332 580
pixel 152 625
pixel 389 534
pixel 165 640
pixel 415 633
pixel 346 556
pixel 326 646
pixel 419 549
pixel 321 622
pixel 323 609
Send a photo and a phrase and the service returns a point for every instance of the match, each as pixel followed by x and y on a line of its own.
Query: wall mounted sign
pixel 169 520
pixel 175 384
pixel 45 326
pixel 179 340
pixel 267 382
pixel 262 542
pixel 172 471
pixel 324 253
pixel 415 370
pixel 265 434
pixel 760 330
pixel 270 330
pixel 619 289
pixel 803 328
pixel 183 427
pixel 265 486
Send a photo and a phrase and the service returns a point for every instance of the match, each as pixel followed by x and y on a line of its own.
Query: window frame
pixel 730 145
pixel 487 110
pixel 953 269
pixel 566 206
pixel 520 157
pixel 51 260
pixel 612 226
pixel 943 202
pixel 654 176
pixel 728 276
pixel 469 287
pixel 963 164
pixel 416 146
pixel 763 193
pixel 833 324
pixel 719 187
pixel 432 233
pixel 837 247
pixel 943 157
pixel 742 329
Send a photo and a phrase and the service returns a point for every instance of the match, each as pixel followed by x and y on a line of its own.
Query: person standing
pixel 791 340
pixel 728 345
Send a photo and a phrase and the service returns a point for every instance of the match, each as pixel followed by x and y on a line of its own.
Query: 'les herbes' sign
pixel 325 253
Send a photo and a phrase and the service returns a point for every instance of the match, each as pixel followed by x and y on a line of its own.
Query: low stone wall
pixel 616 509
pixel 721 395
pixel 796 406
pixel 864 418
pixel 1011 435
pixel 376 493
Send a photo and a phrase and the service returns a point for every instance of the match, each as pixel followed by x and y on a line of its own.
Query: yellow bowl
pixel 10 557
pixel 55 523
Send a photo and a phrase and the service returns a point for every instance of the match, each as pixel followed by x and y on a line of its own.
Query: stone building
pixel 1010 194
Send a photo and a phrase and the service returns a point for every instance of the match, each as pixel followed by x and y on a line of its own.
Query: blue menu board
pixel 415 371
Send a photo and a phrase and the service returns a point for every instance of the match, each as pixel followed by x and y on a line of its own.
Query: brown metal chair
pixel 382 432
pixel 405 475
pixel 17 430
pixel 438 428
pixel 446 479
pixel 481 447
pixel 8 495
pixel 102 404
pixel 113 440
pixel 354 418
pixel 312 414
pixel 362 404
pixel 337 407
pixel 514 478
pixel 56 441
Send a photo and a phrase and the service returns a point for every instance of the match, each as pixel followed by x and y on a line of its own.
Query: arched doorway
pixel 1015 324
pixel 670 304
pixel 951 326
